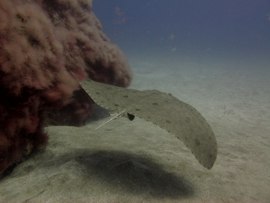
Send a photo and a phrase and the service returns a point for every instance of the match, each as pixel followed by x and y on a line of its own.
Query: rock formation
pixel 46 48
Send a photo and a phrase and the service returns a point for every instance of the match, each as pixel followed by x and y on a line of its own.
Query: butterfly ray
pixel 162 109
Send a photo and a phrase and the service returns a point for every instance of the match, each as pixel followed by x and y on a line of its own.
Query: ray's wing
pixel 164 110
pixel 181 120
pixel 110 97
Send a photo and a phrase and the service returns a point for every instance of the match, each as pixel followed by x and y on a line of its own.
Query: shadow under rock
pixel 136 174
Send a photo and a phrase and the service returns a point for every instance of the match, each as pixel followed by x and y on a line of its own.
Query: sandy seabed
pixel 135 161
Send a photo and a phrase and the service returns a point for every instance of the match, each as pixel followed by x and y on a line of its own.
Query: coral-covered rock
pixel 46 48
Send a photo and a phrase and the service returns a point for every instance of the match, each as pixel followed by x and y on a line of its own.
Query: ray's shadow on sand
pixel 136 174
pixel 132 173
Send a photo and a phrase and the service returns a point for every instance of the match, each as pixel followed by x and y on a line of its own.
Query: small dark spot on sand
pixel 197 142
pixel 167 121
pixel 155 103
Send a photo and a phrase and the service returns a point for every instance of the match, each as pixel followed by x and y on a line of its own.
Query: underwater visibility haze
pixel 181 27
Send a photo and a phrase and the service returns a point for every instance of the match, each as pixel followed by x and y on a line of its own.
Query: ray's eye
pixel 130 116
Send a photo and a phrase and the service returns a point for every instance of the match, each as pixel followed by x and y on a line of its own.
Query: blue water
pixel 229 28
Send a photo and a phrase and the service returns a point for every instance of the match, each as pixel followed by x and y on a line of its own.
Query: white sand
pixel 150 165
